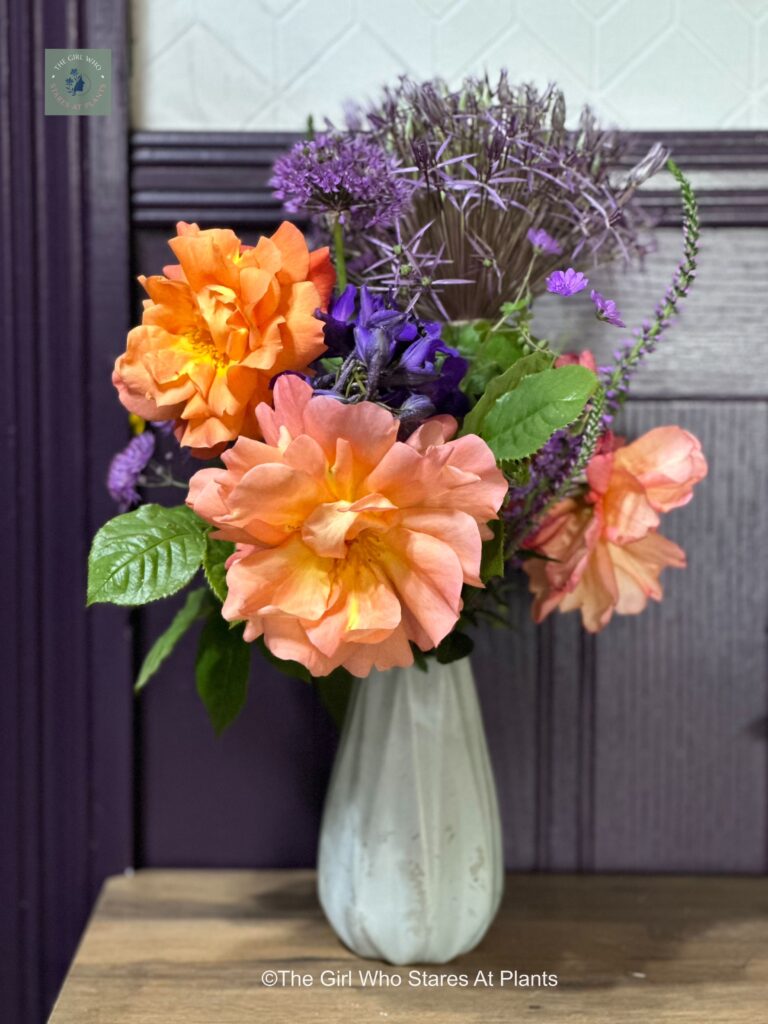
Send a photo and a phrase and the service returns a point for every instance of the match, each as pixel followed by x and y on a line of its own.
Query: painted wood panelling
pixel 65 704
pixel 680 694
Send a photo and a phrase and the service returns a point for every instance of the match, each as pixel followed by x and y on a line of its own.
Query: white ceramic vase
pixel 410 864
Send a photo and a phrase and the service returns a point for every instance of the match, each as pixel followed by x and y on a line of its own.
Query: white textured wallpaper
pixel 266 64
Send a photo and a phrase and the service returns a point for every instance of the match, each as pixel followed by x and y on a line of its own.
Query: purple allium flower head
pixel 126 468
pixel 378 353
pixel 606 310
pixel 350 176
pixel 490 160
pixel 545 243
pixel 566 282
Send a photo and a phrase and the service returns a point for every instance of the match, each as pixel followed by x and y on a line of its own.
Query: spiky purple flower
pixel 544 242
pixel 408 273
pixel 349 176
pixel 379 353
pixel 566 282
pixel 126 468
pixel 491 159
pixel 606 309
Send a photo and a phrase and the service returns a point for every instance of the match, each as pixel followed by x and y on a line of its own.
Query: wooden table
pixel 190 947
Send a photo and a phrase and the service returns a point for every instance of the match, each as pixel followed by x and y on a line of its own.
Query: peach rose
pixel 583 358
pixel 605 552
pixel 350 543
pixel 218 327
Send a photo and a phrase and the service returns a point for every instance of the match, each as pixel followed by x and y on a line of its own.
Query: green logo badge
pixel 78 81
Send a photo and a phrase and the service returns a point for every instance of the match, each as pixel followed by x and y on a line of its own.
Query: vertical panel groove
pixel 585 855
pixel 59 311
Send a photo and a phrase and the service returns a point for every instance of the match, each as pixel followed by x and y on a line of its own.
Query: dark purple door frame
pixel 65 704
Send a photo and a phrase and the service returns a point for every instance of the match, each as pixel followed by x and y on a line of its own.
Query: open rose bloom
pixel 357 515
pixel 602 553
pixel 218 327
pixel 350 543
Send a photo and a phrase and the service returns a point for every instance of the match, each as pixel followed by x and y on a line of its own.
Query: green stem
pixel 339 258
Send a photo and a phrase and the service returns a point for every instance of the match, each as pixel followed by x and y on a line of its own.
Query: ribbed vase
pixel 410 864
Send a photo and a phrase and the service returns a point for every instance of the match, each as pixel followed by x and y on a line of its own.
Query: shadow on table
pixel 592 931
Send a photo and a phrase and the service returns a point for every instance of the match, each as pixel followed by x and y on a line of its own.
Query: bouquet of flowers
pixel 386 442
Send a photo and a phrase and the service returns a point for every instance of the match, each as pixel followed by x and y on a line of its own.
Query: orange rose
pixel 219 326
pixel 351 545
pixel 605 552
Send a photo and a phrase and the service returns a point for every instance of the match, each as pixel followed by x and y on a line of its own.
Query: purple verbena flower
pixel 606 310
pixel 566 282
pixel 349 176
pixel 126 468
pixel 545 243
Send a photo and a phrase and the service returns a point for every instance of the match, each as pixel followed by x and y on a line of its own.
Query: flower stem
pixel 339 257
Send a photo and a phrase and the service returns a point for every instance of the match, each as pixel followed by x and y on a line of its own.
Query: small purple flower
pixel 606 310
pixel 126 468
pixel 545 243
pixel 566 282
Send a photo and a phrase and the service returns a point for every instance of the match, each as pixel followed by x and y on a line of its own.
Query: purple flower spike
pixel 566 282
pixel 126 468
pixel 606 310
pixel 545 243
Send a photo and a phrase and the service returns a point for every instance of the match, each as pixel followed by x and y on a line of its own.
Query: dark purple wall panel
pixel 65 709
pixel 250 798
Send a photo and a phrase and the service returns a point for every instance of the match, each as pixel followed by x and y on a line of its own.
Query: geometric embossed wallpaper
pixel 264 64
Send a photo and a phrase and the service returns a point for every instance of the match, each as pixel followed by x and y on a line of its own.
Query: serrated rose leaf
pixel 523 420
pixel 145 555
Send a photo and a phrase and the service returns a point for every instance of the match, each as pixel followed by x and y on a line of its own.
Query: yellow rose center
pixel 200 342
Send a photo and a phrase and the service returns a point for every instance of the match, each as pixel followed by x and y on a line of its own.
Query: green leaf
pixel 523 420
pixel 335 690
pixel 145 555
pixel 510 308
pixel 419 658
pixel 194 608
pixel 216 554
pixel 507 381
pixel 221 671
pixel 518 470
pixel 454 647
pixel 466 337
pixel 492 563
pixel 489 352
pixel 500 352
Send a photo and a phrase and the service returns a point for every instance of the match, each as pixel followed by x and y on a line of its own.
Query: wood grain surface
pixel 190 947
